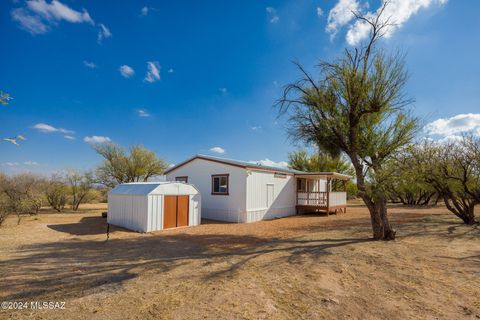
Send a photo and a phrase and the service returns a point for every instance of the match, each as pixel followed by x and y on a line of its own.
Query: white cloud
pixel 30 163
pixel 319 12
pixel 449 139
pixel 46 128
pixel 103 33
pixel 56 10
pixel 340 15
pixel 272 14
pixel 126 71
pixel 96 139
pixel 269 163
pixel 255 128
pixel 143 113
pixel 38 16
pixel 217 150
pixel 69 137
pixel 397 11
pixel 11 164
pixel 170 70
pixel 461 123
pixel 144 11
pixel 29 22
pixel 89 64
pixel 153 71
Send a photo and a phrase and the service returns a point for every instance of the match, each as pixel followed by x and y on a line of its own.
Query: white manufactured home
pixel 238 191
pixel 151 206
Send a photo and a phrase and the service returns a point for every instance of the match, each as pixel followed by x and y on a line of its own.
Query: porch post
pixel 328 196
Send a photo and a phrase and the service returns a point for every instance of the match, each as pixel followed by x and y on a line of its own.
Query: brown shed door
pixel 170 212
pixel 182 211
pixel 175 211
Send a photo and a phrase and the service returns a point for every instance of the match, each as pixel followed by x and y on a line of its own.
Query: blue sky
pixel 184 77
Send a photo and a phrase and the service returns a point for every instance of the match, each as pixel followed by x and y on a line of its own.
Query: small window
pixel 220 184
pixel 182 179
pixel 280 175
pixel 301 185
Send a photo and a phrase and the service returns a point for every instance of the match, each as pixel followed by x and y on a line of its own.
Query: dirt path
pixel 301 267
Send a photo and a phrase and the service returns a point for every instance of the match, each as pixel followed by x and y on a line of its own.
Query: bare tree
pixel 357 107
pixel 79 185
pixel 23 192
pixel 56 193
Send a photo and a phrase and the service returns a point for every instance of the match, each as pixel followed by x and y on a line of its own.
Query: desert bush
pixel 80 186
pixel 23 193
pixel 4 209
pixel 56 193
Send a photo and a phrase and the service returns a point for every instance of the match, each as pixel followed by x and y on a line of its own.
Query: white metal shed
pixel 151 206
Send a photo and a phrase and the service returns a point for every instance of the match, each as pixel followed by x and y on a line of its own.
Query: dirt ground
pixel 300 267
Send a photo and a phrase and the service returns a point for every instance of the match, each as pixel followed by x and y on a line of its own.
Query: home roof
pixel 257 166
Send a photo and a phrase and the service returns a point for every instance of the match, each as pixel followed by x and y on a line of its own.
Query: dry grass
pixel 303 267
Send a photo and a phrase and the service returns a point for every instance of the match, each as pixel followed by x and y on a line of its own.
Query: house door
pixel 270 194
pixel 175 211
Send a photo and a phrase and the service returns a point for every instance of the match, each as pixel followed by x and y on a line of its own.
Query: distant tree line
pixel 26 193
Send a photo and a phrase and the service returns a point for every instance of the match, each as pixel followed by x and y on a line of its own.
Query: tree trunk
pixel 468 216
pixel 376 204
pixel 461 209
pixel 388 232
pixel 379 218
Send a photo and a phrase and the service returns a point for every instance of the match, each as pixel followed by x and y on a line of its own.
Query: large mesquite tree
pixel 356 107
pixel 453 170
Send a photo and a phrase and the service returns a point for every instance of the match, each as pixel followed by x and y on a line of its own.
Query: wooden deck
pixel 321 201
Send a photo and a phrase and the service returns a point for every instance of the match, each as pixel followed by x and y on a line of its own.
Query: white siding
pixel 283 203
pixel 155 207
pixel 231 207
pixel 126 211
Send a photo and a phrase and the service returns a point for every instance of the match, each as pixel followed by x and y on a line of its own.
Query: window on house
pixel 301 185
pixel 220 184
pixel 182 179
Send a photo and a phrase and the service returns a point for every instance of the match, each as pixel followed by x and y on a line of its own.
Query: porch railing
pixel 312 198
pixel 321 199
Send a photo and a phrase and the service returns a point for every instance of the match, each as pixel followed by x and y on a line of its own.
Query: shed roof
pixel 251 165
pixel 146 188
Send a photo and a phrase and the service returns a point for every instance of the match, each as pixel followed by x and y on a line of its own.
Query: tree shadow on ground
pixel 446 227
pixel 75 267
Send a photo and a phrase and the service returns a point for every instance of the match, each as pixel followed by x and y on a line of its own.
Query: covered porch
pixel 321 191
